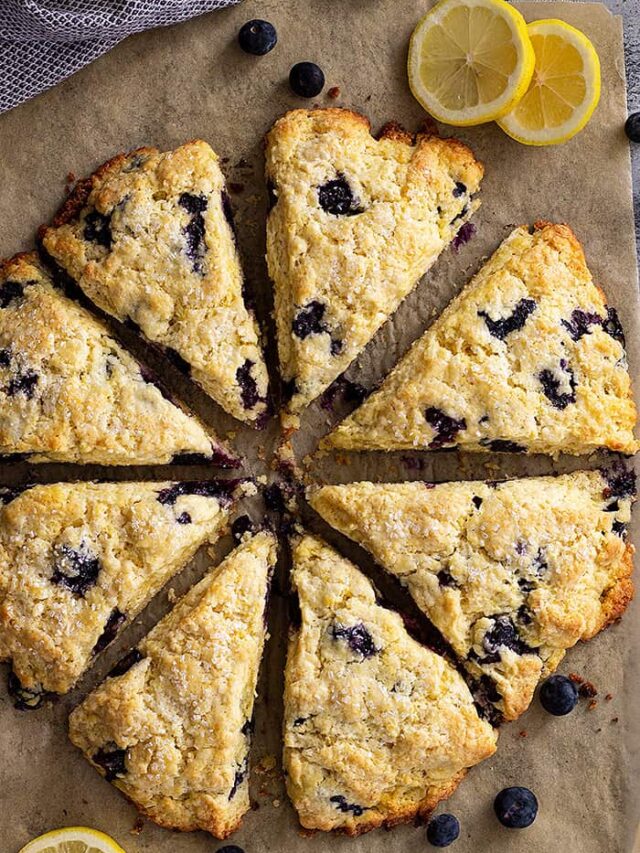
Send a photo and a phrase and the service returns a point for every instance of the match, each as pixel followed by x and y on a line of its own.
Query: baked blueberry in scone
pixel 378 729
pixel 354 222
pixel 527 359
pixel 80 560
pixel 512 574
pixel 171 726
pixel 149 238
pixel 70 393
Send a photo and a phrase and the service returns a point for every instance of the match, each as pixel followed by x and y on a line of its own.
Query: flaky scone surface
pixel 378 729
pixel 80 560
pixel 173 730
pixel 70 393
pixel 528 358
pixel 354 223
pixel 149 238
pixel 511 573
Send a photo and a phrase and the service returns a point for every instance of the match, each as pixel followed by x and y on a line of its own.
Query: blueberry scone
pixel 354 222
pixel 528 358
pixel 70 393
pixel 512 574
pixel 80 560
pixel 378 729
pixel 171 726
pixel 149 238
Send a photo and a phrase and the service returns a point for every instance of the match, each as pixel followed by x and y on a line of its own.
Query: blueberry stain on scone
pixel 502 634
pixel 23 383
pixel 97 229
pixel 112 760
pixel 504 326
pixel 357 638
pixel 115 621
pixel 559 387
pixel 445 426
pixel 76 569
pixel 308 320
pixel 5 357
pixel 581 322
pixel 11 291
pixel 344 806
pixel 222 490
pixel 194 231
pixel 337 198
pixel 248 385
pixel 240 776
pixel 502 445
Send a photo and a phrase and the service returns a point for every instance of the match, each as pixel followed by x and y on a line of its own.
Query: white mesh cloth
pixel 44 41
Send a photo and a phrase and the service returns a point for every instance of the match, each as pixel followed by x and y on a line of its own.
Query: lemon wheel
pixel 73 839
pixel 470 61
pixel 564 90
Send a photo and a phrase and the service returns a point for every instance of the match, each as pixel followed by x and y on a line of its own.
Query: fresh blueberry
pixel 632 127
pixel 257 37
pixel 443 830
pixel 558 695
pixel 306 79
pixel 516 807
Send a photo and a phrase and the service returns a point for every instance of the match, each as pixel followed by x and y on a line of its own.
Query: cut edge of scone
pixel 31 652
pixel 98 715
pixel 28 268
pixel 369 513
pixel 306 549
pixel 254 405
pixel 357 431
pixel 456 157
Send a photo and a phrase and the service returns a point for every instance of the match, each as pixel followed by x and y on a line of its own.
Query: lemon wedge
pixel 73 839
pixel 564 90
pixel 470 61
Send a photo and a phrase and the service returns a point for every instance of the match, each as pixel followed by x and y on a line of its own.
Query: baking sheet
pixel 167 86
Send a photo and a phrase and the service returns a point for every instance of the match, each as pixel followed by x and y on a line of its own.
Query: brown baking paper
pixel 167 86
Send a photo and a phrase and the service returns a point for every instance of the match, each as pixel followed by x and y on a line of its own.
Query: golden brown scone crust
pixel 527 358
pixel 78 561
pixel 338 277
pixel 70 393
pixel 161 253
pixel 179 719
pixel 378 729
pixel 512 574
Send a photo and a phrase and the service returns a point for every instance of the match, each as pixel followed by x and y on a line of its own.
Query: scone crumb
pixel 608 697
pixel 524 733
pixel 171 595
pixel 266 764
pixel 137 827
pixel 276 804
pixel 334 92
pixel 588 690
pixel 593 704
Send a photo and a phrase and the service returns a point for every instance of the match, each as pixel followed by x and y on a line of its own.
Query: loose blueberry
pixel 112 762
pixel 125 663
pixel 558 695
pixel 513 323
pixel 24 383
pixel 114 623
pixel 257 37
pixel 344 806
pixel 358 639
pixel 632 127
pixel 222 490
pixel 444 425
pixel 516 808
pixel 336 197
pixel 551 385
pixel 308 320
pixel 97 229
pixel 306 79
pixel 443 830
pixel 194 230
pixel 76 570
pixel 10 291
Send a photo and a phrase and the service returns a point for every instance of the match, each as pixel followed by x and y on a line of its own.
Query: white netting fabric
pixel 44 41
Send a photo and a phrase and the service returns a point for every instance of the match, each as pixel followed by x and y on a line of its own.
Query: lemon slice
pixel 470 61
pixel 73 839
pixel 564 90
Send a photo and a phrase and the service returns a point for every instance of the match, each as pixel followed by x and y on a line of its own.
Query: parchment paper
pixel 167 86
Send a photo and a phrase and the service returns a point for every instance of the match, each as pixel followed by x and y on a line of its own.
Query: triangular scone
pixel 512 573
pixel 171 726
pixel 528 358
pixel 378 729
pixel 149 238
pixel 80 560
pixel 70 393
pixel 354 222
